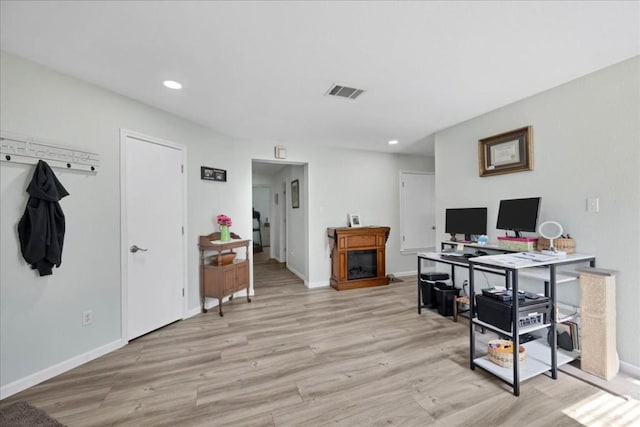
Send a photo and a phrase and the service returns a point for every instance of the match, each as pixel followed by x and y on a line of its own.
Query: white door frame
pixel 124 251
pixel 284 235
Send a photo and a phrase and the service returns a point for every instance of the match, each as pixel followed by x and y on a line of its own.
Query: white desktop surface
pixel 510 261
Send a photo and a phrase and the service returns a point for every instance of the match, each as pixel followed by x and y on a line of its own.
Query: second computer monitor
pixel 467 221
pixel 518 215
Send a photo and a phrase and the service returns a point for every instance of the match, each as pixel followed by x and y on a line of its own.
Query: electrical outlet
pixel 87 317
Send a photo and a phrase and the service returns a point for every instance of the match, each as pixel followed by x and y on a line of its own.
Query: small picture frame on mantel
pixel 354 220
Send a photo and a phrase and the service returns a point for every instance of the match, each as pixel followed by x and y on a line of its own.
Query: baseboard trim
pixel 405 273
pixel 630 369
pixel 297 273
pixel 192 312
pixel 62 367
pixel 210 303
pixel 315 285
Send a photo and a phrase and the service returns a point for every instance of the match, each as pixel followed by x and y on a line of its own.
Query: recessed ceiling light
pixel 172 85
pixel 393 142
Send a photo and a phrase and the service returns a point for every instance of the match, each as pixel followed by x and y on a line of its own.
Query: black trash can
pixel 427 283
pixel 444 297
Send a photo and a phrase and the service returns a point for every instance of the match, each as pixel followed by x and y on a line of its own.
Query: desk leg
pixel 516 330
pixel 554 337
pixel 472 309
pixel 419 287
pixel 220 307
pixel 250 264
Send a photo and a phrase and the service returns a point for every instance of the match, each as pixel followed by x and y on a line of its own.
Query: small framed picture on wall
pixel 213 174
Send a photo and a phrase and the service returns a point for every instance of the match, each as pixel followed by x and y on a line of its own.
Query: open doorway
pixel 285 239
pixel 267 201
pixel 261 212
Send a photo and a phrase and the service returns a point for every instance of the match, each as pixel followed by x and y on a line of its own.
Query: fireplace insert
pixel 361 264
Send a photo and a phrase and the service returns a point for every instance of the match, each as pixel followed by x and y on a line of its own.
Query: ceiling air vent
pixel 344 91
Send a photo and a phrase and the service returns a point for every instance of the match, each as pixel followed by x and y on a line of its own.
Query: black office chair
pixel 257 247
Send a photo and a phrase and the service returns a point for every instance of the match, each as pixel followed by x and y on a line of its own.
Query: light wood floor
pixel 299 357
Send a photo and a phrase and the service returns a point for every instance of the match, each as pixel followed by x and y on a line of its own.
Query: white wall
pixel 40 318
pixel 361 182
pixel 297 241
pixel 586 137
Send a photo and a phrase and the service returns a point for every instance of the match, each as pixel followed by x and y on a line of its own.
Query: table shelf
pixel 537 361
pixel 541 357
pixel 521 330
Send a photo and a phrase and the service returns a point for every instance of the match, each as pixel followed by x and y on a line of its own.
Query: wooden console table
pixel 219 281
pixel 358 257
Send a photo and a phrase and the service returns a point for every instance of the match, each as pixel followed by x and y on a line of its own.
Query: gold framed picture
pixel 507 152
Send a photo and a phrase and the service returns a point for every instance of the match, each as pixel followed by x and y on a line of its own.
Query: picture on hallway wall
pixel 295 194
pixel 213 174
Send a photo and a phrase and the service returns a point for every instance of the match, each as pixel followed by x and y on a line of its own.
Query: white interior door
pixel 153 221
pixel 417 208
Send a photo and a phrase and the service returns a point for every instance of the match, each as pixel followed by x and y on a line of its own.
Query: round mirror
pixel 550 230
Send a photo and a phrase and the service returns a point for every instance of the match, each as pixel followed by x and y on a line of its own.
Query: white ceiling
pixel 259 70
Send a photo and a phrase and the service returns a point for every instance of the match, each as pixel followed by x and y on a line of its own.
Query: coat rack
pixel 28 151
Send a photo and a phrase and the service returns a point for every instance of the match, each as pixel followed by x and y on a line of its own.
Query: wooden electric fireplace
pixel 358 257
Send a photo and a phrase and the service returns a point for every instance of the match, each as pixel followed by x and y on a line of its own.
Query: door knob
pixel 133 249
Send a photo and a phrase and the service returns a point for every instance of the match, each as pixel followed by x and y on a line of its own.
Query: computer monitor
pixel 467 221
pixel 518 215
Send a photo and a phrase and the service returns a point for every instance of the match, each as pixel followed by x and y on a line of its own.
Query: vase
pixel 225 234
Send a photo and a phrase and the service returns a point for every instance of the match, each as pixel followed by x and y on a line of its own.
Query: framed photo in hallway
pixel 213 174
pixel 295 194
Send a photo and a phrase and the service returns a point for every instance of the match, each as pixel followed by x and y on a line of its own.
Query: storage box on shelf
pixel 563 244
pixel 500 313
pixel 522 244
pixel 427 291
pixel 501 353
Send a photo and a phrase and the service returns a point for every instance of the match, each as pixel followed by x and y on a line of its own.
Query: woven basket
pixel 501 353
pixel 565 245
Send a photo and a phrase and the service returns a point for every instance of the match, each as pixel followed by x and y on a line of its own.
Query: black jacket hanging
pixel 41 229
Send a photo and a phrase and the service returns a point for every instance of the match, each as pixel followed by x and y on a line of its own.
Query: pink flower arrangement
pixel 224 220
